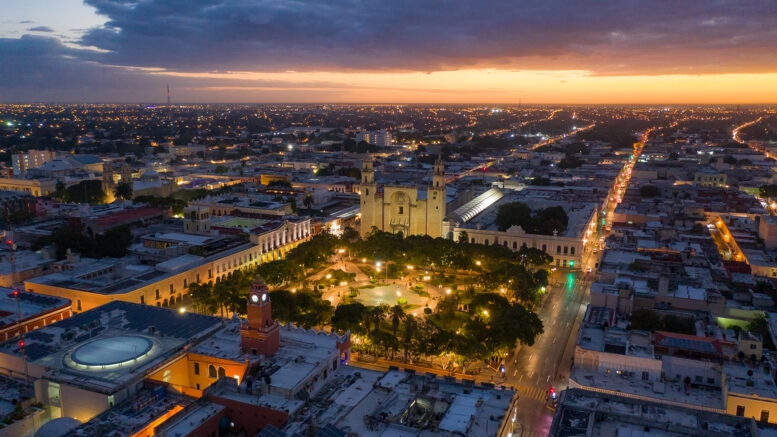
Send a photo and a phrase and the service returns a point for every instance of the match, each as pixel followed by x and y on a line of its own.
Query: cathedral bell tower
pixel 435 201
pixel 259 334
pixel 367 191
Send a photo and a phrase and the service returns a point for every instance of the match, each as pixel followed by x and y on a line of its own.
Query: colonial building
pixel 259 334
pixel 403 209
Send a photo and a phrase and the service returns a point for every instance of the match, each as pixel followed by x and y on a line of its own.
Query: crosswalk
pixel 532 392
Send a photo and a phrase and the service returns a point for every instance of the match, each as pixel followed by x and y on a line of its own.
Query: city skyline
pixel 619 52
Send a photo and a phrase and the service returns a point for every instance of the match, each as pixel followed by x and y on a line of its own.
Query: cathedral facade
pixel 402 209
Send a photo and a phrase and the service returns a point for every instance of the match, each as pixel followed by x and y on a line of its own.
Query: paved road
pixel 533 370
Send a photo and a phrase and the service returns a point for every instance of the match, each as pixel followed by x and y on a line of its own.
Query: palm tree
pixel 377 313
pixel 60 190
pixel 397 314
pixel 411 327
pixel 221 294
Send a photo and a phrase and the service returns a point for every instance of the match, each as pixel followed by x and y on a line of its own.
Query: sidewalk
pixel 382 364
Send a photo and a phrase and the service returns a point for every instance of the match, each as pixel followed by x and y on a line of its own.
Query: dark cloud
pixel 41 29
pixel 606 37
pixel 603 37
pixel 42 69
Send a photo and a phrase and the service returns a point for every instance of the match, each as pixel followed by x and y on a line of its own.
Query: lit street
pixel 537 368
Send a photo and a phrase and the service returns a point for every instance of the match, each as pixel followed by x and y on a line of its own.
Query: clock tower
pixel 260 334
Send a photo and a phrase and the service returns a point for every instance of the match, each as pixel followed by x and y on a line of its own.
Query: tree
pixel 514 213
pixel 377 314
pixel 397 314
pixel 123 190
pixel 349 317
pixel 202 297
pixel 645 320
pixel 89 191
pixel 411 329
pixel 767 191
pixel 281 184
pixel 221 292
pixel 544 222
pixel 60 191
pixel 221 169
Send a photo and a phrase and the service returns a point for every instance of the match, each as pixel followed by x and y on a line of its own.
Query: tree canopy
pixel 543 222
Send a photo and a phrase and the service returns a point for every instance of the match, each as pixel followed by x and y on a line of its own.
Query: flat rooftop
pixel 26 305
pixel 127 418
pixel 671 393
pixel 393 403
pixel 106 347
pixel 583 412
pixel 118 276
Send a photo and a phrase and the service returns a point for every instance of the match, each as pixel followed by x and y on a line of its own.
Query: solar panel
pixel 331 431
pixel 271 431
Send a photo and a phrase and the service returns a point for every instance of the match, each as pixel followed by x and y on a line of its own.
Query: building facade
pixel 402 209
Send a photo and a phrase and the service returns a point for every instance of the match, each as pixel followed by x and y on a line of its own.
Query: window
pixel 741 410
pixel 401 209
pixel 764 416
pixel 710 381
pixel 222 372
pixel 515 245
pixel 196 368
pixel 572 251
pixel 157 293
pixel 172 289
pixel 698 379
pixel 185 283
pixel 211 371
pixel 558 249
pixel 78 304
pixel 142 300
pixel 566 250
pixel 752 346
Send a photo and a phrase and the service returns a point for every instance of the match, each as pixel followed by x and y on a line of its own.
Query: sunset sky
pixel 390 51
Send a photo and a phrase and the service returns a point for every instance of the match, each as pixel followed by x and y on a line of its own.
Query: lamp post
pixel 378 264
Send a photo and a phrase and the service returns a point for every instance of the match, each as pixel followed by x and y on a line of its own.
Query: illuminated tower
pixel 367 193
pixel 435 200
pixel 259 334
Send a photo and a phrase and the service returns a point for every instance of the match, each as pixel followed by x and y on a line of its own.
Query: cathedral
pixel 402 209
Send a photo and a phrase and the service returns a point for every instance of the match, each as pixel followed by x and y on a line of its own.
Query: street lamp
pixel 378 264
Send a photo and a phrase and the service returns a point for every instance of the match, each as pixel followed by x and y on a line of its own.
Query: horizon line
pixel 516 104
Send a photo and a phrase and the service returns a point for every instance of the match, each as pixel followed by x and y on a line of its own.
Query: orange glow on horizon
pixel 482 85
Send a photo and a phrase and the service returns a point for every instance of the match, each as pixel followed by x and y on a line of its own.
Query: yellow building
pixel 35 187
pixel 402 209
pixel 90 284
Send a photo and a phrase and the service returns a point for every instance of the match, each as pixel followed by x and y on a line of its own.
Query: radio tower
pixel 169 106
